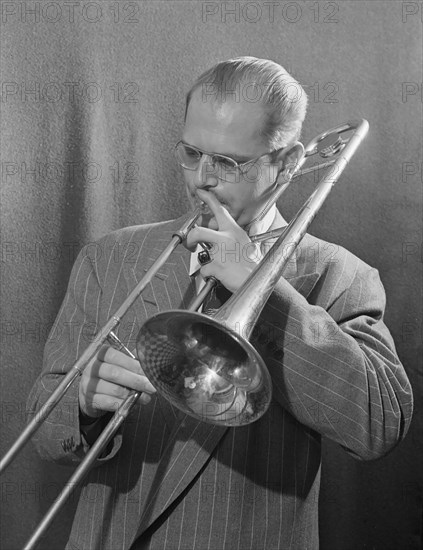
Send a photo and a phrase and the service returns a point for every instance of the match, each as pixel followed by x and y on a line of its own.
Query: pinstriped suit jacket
pixel 170 482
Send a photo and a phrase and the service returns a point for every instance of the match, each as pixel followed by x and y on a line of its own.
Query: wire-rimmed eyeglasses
pixel 223 167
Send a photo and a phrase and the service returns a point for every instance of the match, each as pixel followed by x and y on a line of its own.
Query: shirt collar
pixel 260 226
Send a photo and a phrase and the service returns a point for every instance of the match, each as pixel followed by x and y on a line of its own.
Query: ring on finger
pixel 204 257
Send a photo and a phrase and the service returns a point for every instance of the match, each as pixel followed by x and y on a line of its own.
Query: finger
pixel 211 270
pixel 202 234
pixel 105 387
pixel 123 377
pixel 223 218
pixel 110 403
pixel 116 357
pixel 145 398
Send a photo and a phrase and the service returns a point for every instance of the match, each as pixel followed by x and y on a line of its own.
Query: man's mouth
pixel 205 208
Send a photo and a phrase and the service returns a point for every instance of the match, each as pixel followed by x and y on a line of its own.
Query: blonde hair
pixel 262 81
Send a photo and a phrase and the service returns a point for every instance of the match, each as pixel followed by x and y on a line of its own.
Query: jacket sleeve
pixel 334 366
pixel 59 437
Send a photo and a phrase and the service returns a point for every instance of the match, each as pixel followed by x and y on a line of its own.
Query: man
pixel 168 481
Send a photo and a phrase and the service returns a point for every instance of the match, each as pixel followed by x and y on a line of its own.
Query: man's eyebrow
pixel 239 159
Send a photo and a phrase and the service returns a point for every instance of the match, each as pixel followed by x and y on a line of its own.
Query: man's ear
pixel 287 160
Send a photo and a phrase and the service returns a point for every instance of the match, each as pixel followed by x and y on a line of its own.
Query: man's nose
pixel 206 173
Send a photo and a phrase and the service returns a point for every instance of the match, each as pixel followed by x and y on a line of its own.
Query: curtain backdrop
pixel 92 104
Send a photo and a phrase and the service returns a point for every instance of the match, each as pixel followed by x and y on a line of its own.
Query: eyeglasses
pixel 223 167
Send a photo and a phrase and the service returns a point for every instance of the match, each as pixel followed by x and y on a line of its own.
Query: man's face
pixel 231 129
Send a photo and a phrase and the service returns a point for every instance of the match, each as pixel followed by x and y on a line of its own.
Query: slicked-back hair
pixel 262 81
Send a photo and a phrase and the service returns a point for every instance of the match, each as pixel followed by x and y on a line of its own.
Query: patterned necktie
pixel 217 297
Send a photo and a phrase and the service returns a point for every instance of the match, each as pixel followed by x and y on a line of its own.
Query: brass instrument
pixel 204 365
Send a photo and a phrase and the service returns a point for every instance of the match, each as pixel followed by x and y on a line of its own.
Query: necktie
pixel 217 297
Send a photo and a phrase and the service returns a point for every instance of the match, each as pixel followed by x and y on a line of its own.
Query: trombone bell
pixel 204 368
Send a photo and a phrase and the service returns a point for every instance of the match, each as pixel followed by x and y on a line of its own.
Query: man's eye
pixel 225 163
pixel 192 153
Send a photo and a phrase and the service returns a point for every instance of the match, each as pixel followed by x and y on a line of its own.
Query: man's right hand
pixel 105 384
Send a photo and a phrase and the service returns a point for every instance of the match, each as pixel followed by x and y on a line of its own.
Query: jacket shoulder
pixel 339 273
pixel 327 258
pixel 125 246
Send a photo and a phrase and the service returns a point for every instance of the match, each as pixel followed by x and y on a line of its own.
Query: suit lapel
pixel 304 284
pixel 295 270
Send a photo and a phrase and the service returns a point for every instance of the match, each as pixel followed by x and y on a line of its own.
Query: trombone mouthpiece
pixel 204 208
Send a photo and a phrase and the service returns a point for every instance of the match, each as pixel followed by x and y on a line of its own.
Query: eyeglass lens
pixel 225 168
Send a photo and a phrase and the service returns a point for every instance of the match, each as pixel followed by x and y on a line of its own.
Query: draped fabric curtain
pixel 92 104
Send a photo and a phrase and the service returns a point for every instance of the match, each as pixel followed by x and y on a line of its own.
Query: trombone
pixel 204 365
